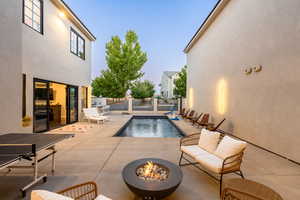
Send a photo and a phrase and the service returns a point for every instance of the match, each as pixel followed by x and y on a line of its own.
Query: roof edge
pixel 218 8
pixel 60 4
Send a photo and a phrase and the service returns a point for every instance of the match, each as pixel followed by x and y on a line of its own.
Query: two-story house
pixel 167 85
pixel 45 59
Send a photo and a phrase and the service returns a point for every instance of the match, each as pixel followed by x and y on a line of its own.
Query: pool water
pixel 156 127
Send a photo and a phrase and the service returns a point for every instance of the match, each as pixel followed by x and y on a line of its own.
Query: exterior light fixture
pixel 62 14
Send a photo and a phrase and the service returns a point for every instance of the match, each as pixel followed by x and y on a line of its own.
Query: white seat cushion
pixel 209 140
pixel 193 150
pixel 229 147
pixel 210 162
pixel 101 197
pixel 47 195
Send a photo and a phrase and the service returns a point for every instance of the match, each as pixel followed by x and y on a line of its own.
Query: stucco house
pixel 45 58
pixel 167 84
pixel 243 64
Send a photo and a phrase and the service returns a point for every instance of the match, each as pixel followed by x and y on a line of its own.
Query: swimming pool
pixel 150 126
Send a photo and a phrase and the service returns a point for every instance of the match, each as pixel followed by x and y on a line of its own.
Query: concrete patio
pixel 97 156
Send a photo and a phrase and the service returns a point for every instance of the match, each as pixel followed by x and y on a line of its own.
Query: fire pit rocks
pixel 152 178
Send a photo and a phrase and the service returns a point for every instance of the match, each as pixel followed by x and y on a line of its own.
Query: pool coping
pixel 117 134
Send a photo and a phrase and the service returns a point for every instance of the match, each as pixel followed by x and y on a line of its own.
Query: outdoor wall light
pixel 191 98
pixel 248 71
pixel 222 93
pixel 62 14
pixel 257 68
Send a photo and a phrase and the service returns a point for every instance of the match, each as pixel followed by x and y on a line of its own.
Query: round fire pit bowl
pixel 152 189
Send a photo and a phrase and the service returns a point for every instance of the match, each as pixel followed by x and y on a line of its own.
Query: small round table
pixel 247 190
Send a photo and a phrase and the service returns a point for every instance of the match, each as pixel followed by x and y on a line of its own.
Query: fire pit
pixel 152 178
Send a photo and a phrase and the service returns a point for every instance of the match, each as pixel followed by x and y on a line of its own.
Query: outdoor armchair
pixel 213 153
pixel 84 191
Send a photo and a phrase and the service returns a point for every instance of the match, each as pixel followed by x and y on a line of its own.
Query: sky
pixel 164 28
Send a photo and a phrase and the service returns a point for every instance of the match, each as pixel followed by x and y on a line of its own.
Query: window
pixel 77 44
pixel 33 14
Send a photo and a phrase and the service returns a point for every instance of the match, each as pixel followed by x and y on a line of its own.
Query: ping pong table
pixel 16 147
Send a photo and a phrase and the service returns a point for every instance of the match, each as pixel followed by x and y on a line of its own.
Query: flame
pixel 149 169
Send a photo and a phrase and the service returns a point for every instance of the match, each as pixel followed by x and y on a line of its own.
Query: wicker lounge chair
pixel 212 153
pixel 182 111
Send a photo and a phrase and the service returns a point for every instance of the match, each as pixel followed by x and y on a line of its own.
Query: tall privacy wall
pixel 10 66
pixel 262 107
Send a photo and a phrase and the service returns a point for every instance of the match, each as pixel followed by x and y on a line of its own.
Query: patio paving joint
pixel 106 161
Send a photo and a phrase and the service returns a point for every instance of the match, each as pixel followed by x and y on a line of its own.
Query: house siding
pixel 262 107
pixel 10 66
pixel 45 56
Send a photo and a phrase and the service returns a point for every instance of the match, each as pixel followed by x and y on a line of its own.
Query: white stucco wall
pixel 262 107
pixel 10 66
pixel 48 56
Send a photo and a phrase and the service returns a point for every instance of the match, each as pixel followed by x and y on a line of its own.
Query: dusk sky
pixel 164 28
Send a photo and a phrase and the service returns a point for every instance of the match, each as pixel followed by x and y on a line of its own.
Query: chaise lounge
pixel 213 153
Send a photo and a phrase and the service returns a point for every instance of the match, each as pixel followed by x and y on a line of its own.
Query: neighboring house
pixel 238 36
pixel 45 58
pixel 167 84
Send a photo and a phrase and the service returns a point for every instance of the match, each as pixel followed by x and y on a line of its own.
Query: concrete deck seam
pixel 106 161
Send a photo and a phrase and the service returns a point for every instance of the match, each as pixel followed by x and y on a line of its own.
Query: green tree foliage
pixel 125 61
pixel 180 83
pixel 142 89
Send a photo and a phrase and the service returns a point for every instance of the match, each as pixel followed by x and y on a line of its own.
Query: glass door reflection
pixel 41 106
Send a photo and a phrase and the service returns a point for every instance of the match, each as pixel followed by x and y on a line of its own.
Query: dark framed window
pixel 33 14
pixel 77 44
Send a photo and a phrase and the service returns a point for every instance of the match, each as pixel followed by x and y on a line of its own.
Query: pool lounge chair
pixel 186 113
pixel 92 114
pixel 196 118
pixel 191 115
pixel 182 111
pixel 203 121
pixel 216 127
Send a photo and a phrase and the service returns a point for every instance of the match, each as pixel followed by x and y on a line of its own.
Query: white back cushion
pixel 229 147
pixel 47 195
pixel 209 140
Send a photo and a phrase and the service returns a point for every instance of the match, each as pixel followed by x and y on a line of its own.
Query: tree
pixel 107 85
pixel 180 83
pixel 125 61
pixel 142 89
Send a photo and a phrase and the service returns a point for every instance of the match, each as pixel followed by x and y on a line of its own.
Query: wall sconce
pixel 257 68
pixel 62 14
pixel 248 71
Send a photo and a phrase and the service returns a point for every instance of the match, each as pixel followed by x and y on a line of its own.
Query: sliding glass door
pixel 72 104
pixel 49 99
pixel 41 106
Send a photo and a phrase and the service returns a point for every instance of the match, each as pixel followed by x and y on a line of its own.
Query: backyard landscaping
pixel 94 155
